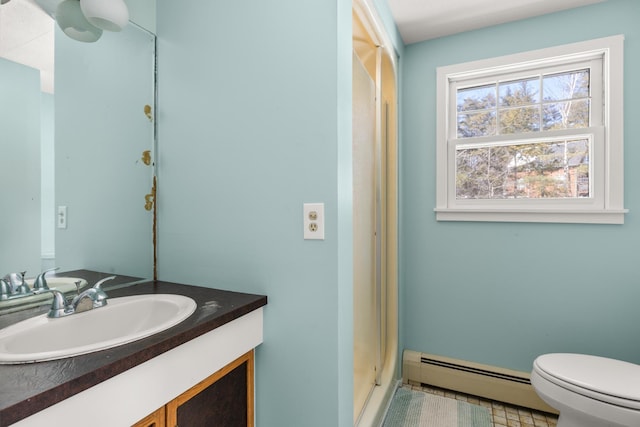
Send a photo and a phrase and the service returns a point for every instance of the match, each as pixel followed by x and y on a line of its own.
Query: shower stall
pixel 375 290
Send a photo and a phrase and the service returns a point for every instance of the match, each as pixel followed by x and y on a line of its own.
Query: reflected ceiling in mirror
pixel 27 37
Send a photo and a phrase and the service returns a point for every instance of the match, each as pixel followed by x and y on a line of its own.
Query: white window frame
pixel 606 133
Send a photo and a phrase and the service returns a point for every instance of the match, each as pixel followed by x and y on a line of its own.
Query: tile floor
pixel 504 415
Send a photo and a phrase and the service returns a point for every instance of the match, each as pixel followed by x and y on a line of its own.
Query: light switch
pixel 62 217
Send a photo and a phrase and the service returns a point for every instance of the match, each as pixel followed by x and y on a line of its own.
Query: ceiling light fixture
pixel 74 24
pixel 111 15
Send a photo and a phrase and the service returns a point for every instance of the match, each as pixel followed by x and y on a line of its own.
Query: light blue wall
pixel 100 133
pixel 47 172
pixel 143 13
pixel 503 293
pixel 254 121
pixel 19 168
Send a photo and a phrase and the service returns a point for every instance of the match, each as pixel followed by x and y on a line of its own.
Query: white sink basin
pixel 121 321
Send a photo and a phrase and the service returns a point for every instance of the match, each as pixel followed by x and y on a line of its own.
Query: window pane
pixel 557 169
pixel 476 124
pixel 480 173
pixel 560 87
pixel 566 115
pixel 521 92
pixel 476 98
pixel 519 107
pixel 526 119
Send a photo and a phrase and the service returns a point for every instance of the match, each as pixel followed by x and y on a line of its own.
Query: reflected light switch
pixel 62 217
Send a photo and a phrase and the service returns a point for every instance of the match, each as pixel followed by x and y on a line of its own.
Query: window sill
pixel 514 215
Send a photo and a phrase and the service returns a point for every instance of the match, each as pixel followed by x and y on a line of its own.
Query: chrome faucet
pixel 13 285
pixel 5 290
pixel 41 282
pixel 89 299
pixel 95 295
pixel 16 283
pixel 59 307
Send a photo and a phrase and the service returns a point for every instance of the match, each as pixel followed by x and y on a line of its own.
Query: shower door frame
pixel 384 75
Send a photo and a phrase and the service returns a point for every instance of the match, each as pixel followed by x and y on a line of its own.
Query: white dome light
pixel 110 15
pixel 71 20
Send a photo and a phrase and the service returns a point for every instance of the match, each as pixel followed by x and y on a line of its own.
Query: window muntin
pixel 532 169
pixel 515 106
pixel 550 102
pixel 553 169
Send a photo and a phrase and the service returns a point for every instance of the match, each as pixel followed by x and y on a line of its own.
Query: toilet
pixel 589 391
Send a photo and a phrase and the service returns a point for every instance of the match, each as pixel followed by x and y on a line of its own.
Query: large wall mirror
pixel 87 151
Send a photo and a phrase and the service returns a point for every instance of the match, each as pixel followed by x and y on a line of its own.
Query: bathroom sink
pixel 121 321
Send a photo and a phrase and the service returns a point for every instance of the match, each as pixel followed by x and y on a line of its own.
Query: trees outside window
pixel 534 133
pixel 545 169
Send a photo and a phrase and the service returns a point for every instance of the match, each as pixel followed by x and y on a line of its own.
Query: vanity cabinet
pixel 223 399
pixel 205 364
pixel 155 419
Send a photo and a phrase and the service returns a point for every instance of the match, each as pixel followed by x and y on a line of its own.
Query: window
pixel 534 137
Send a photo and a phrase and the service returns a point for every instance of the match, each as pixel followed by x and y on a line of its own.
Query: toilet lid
pixel 614 378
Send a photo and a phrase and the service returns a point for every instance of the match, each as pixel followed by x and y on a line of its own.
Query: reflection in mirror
pixel 92 158
pixel 102 131
pixel 20 100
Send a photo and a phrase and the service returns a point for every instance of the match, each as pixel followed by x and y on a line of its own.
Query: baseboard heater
pixel 490 382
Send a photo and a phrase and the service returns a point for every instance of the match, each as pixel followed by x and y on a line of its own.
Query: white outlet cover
pixel 313 228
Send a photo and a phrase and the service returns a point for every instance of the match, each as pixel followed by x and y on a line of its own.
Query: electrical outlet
pixel 313 221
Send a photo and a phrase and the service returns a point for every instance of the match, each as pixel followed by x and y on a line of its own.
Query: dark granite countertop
pixel 29 388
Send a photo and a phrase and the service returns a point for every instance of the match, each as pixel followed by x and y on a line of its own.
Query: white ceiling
pixel 26 37
pixel 26 29
pixel 420 20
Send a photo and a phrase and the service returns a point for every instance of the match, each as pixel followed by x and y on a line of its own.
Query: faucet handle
pixel 23 288
pixel 100 282
pixel 5 289
pixel 78 284
pixel 15 280
pixel 41 281
pixel 59 307
pixel 100 297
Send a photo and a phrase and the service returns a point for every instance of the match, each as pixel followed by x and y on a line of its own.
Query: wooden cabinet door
pixel 155 419
pixel 224 399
